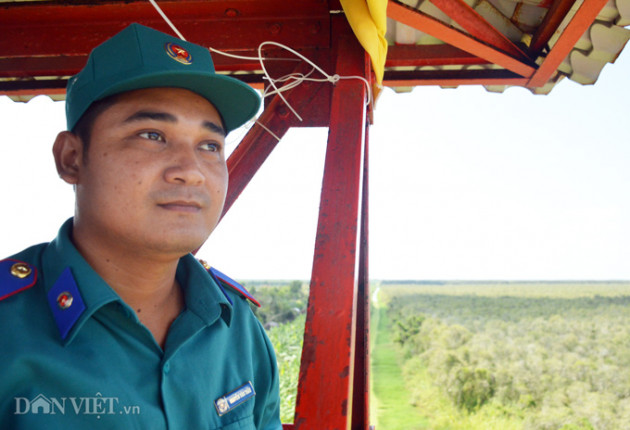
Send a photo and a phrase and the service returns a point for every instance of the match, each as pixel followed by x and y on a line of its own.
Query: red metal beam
pixel 35 43
pixel 449 78
pixel 52 86
pixel 361 386
pixel 548 27
pixel 28 67
pixel 416 19
pixel 316 118
pixel 254 149
pixel 327 368
pixel 55 86
pixel 33 87
pixel 478 27
pixel 68 65
pixel 429 55
pixel 35 28
pixel 256 146
pixel 580 23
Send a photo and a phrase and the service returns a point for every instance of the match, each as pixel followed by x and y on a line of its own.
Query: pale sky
pixel 465 184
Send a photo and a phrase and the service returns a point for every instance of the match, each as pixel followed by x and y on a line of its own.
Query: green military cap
pixel 140 57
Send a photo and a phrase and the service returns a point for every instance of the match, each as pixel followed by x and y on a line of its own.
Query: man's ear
pixel 68 153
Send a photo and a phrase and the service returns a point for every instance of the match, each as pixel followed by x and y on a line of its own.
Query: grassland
pixel 392 410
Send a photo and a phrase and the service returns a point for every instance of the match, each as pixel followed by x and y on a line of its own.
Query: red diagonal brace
pixel 256 146
pixel 418 20
pixel 580 23
pixel 553 18
pixel 478 27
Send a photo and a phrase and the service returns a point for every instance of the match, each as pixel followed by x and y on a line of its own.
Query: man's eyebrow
pixel 164 116
pixel 156 116
pixel 216 128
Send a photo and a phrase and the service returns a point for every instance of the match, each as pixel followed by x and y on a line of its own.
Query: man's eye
pixel 152 135
pixel 210 146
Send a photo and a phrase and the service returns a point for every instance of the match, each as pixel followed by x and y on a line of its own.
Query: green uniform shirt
pixel 93 365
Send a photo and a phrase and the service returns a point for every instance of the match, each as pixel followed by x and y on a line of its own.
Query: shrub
pixel 471 388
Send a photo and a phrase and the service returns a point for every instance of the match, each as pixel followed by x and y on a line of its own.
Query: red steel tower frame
pixel 39 50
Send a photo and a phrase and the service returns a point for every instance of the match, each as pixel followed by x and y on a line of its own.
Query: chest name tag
pixel 231 400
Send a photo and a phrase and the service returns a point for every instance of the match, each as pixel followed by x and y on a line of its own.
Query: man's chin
pixel 179 245
pixel 186 247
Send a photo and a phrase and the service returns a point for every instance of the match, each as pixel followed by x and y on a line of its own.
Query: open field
pixel 539 289
pixel 528 356
pixel 484 356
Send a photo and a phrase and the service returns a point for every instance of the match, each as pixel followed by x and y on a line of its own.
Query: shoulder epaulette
pixel 229 282
pixel 15 276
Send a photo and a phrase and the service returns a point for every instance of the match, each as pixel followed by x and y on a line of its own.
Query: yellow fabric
pixel 368 19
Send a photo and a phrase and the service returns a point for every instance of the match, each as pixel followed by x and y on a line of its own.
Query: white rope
pixel 168 21
pixel 245 57
pixel 291 81
pixel 267 130
pixel 327 78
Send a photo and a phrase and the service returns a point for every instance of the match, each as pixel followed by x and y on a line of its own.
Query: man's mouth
pixel 181 206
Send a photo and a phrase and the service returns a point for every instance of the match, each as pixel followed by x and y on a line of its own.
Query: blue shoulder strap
pixel 15 276
pixel 225 280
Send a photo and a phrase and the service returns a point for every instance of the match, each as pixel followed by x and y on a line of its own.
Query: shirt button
pixel 166 368
pixel 20 270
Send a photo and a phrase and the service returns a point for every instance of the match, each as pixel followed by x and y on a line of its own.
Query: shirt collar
pixel 68 276
pixel 201 292
pixel 66 271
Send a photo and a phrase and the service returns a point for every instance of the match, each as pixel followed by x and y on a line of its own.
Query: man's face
pixel 154 179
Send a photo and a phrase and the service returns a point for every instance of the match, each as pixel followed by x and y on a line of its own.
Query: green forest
pixel 531 356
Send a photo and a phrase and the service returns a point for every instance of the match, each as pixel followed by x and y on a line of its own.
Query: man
pixel 114 325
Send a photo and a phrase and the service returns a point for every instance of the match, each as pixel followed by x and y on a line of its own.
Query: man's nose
pixel 184 168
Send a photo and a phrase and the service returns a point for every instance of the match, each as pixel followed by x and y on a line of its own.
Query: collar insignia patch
pixel 65 302
pixel 223 279
pixel 235 398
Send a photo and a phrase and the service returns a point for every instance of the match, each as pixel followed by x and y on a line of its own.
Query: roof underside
pixel 496 43
pixel 550 39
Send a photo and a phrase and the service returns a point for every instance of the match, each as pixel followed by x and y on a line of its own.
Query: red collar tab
pixel 15 276
pixel 229 282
